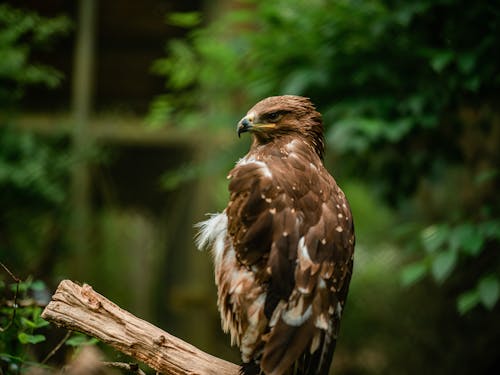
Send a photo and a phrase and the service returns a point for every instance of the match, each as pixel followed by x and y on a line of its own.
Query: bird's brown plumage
pixel 283 247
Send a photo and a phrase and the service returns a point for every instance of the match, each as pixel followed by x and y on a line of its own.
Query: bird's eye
pixel 273 116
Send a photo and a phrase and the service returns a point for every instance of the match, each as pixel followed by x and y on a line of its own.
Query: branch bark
pixel 80 308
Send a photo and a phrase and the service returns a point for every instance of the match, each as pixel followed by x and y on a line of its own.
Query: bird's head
pixel 279 116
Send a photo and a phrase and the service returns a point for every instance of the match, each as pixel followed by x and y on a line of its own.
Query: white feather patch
pixel 296 316
pixel 339 310
pixel 321 322
pixel 212 232
pixel 303 258
pixel 260 164
pixel 290 146
pixel 303 251
pixel 315 342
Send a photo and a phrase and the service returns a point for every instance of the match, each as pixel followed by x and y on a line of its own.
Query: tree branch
pixel 16 294
pixel 80 308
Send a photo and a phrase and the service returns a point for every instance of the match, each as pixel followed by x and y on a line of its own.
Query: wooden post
pixel 81 104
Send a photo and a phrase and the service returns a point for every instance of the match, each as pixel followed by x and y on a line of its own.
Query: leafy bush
pixel 22 328
pixel 20 33
pixel 33 170
pixel 33 179
pixel 20 323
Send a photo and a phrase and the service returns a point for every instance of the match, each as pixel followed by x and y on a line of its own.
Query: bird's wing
pixel 290 223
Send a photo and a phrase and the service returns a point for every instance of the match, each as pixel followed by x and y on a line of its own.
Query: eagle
pixel 283 247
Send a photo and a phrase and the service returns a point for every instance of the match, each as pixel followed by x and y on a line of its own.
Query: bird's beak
pixel 247 124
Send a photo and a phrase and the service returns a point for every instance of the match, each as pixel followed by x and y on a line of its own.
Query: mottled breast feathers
pixel 283 251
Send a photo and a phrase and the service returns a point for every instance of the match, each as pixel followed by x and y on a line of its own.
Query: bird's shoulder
pixel 280 194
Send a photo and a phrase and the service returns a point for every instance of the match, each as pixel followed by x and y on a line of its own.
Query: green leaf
pixel 40 322
pixel 25 338
pixel 9 358
pixel 466 62
pixel 490 229
pixel 184 19
pixel 486 176
pixel 36 322
pixel 80 339
pixel 489 291
pixel 443 264
pixel 434 236
pixel 413 273
pixel 467 301
pixel 441 60
pixel 467 238
pixel 27 323
pixel 38 285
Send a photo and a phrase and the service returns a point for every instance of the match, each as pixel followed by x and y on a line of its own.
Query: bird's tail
pixel 317 363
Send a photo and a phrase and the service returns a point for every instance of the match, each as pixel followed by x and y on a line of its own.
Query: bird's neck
pixel 279 145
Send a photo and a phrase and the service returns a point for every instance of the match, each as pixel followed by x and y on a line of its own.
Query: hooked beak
pixel 247 124
pixel 244 125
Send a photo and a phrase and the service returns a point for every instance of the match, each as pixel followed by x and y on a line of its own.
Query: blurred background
pixel 117 128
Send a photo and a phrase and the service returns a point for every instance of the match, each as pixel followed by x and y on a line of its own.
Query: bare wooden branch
pixel 80 308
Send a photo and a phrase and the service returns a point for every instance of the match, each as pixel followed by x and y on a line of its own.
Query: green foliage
pixel 446 249
pixel 32 167
pixel 34 183
pixel 486 292
pixel 33 170
pixel 20 322
pixel 22 32
pixel 407 91
pixel 187 19
pixel 79 340
pixel 22 327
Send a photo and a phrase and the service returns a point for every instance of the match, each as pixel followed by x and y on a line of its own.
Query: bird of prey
pixel 283 247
